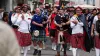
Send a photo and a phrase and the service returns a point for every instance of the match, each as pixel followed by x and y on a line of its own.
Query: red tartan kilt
pixel 25 39
pixel 17 34
pixel 66 35
pixel 97 42
pixel 77 41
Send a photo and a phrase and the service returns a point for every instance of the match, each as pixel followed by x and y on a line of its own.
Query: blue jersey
pixel 37 19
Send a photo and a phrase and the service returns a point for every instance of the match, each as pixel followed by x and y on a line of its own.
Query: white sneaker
pixel 70 49
pixel 29 48
pixel 54 48
pixel 44 46
pixel 62 49
pixel 22 51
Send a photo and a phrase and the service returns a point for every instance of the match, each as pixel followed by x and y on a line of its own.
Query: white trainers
pixel 62 49
pixel 22 51
pixel 54 48
pixel 29 48
pixel 70 48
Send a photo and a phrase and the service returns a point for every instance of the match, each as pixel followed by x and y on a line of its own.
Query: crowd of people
pixel 76 26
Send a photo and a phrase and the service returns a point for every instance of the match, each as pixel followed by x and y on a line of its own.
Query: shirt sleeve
pixel 71 23
pixel 94 21
pixel 55 20
pixel 81 23
pixel 13 18
pixel 33 18
pixel 16 19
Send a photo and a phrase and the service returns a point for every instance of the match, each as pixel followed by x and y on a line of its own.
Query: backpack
pixel 98 26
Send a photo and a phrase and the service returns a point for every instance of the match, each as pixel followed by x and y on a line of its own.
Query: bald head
pixel 38 10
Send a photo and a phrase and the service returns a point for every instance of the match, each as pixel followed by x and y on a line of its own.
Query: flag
pixel 62 6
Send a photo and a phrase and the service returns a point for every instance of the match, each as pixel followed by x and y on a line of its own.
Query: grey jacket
pixel 8 42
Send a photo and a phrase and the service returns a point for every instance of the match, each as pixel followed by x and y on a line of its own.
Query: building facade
pixel 91 2
pixel 6 5
pixel 97 3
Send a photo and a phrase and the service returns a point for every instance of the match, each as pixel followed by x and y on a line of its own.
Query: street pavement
pixel 49 52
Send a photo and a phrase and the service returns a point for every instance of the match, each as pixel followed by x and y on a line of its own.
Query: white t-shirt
pixel 78 28
pixel 24 25
pixel 95 19
pixel 16 18
pixel 94 22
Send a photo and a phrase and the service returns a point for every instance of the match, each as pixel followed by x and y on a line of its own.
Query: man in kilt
pixel 96 33
pixel 38 32
pixel 62 24
pixel 23 29
pixel 77 39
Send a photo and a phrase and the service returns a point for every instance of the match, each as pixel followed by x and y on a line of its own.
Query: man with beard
pixel 80 38
pixel 24 29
